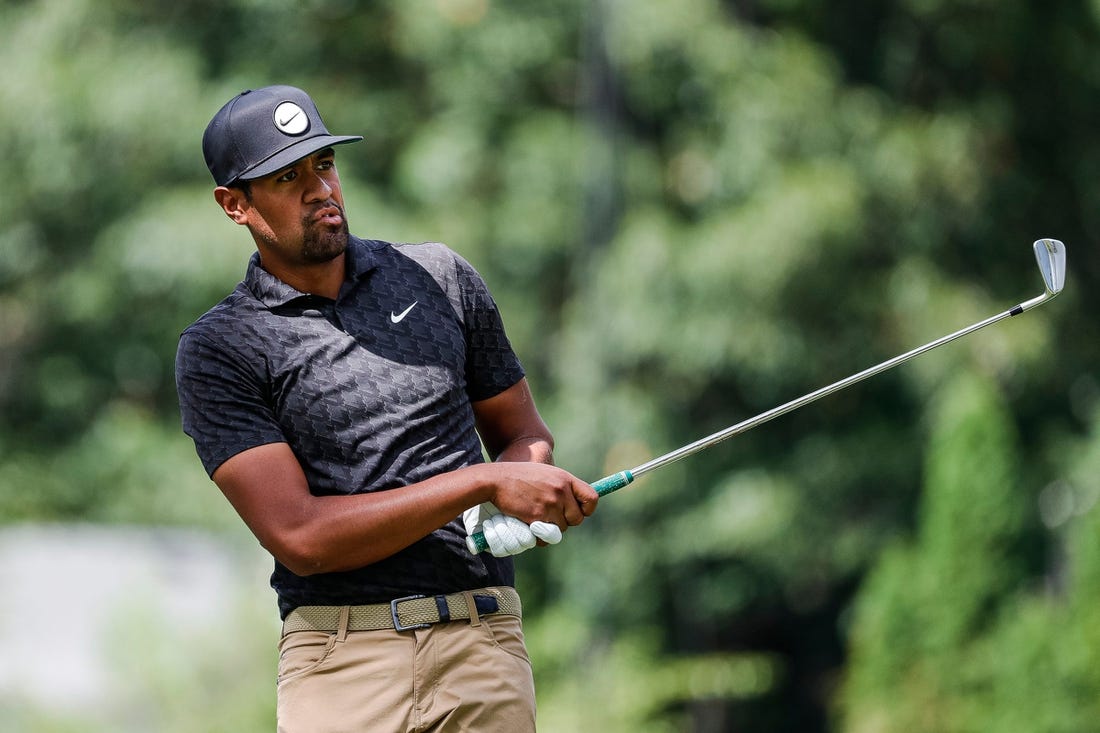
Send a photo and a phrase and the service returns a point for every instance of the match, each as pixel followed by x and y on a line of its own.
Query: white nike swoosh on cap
pixel 398 317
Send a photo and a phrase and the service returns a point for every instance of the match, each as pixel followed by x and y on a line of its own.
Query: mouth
pixel 330 215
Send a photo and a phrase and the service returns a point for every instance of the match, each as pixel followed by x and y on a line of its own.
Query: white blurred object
pixel 68 591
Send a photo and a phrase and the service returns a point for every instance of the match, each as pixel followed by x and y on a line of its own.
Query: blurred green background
pixel 689 212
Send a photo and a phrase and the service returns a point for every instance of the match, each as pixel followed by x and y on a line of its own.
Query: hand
pixel 539 492
pixel 505 534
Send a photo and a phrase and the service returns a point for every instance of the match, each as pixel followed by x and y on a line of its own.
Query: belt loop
pixel 342 624
pixel 444 610
pixel 471 604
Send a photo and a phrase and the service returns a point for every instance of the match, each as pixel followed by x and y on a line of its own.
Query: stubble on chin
pixel 321 244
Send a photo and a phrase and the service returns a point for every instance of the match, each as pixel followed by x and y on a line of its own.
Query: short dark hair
pixel 245 187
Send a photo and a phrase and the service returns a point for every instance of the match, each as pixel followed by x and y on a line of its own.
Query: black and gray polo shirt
pixel 372 391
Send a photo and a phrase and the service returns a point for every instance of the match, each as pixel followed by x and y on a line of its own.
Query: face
pixel 296 215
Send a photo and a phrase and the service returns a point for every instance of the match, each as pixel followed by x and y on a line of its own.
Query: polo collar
pixel 361 256
pixel 359 259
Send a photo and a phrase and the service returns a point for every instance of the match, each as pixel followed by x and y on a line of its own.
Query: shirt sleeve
pixel 223 405
pixel 491 364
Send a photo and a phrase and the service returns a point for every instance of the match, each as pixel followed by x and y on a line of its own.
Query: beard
pixel 322 243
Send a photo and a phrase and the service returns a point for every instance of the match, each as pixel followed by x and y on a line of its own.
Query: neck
pixel 322 279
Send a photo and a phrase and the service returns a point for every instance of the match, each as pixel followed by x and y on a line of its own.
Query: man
pixel 339 398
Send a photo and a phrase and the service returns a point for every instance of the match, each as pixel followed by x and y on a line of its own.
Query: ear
pixel 233 203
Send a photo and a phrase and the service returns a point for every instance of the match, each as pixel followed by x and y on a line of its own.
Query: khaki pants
pixel 456 676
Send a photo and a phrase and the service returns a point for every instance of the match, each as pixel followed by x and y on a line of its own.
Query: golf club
pixel 1051 256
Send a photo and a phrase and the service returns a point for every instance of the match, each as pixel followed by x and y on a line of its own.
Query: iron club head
pixel 1051 255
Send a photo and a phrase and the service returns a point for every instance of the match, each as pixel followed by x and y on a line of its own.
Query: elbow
pixel 533 447
pixel 308 553
pixel 542 450
pixel 302 567
pixel 300 555
pixel 547 440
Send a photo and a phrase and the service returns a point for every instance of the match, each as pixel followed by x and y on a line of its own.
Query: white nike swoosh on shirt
pixel 398 317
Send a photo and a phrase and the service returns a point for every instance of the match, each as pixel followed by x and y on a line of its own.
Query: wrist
pixel 482 483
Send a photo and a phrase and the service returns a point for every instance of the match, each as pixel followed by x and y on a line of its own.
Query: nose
pixel 317 188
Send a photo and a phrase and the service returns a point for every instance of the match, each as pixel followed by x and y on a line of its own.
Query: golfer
pixel 340 397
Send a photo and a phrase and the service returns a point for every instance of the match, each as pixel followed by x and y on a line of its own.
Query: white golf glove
pixel 505 534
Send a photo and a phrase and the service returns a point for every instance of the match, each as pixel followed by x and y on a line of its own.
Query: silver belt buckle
pixel 397 625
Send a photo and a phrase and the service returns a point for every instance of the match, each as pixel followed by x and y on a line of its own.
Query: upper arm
pixel 511 428
pixel 268 489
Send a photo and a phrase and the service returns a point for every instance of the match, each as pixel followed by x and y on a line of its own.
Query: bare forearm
pixel 511 428
pixel 347 532
pixel 399 518
pixel 318 534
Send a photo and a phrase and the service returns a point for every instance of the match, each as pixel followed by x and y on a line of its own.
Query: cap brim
pixel 291 155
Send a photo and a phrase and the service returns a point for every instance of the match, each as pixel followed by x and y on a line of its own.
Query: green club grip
pixel 603 487
pixel 614 482
pixel 477 543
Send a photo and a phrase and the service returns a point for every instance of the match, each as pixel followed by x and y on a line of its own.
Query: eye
pixel 287 177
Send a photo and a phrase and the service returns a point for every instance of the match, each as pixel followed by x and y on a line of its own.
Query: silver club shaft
pixel 1051 256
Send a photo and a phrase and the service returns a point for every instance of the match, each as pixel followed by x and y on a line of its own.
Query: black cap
pixel 261 131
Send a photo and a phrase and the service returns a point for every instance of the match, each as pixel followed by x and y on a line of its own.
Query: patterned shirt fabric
pixel 371 391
